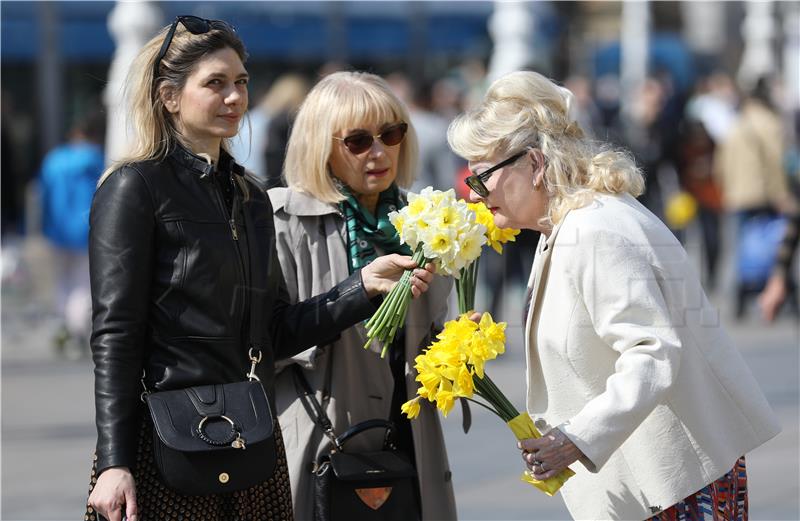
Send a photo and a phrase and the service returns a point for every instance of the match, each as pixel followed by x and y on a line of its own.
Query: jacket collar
pixel 199 165
pixel 303 205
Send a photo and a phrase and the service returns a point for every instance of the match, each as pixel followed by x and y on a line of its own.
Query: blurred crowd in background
pixel 714 129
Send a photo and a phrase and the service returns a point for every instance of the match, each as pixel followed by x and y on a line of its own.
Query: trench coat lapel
pixel 538 279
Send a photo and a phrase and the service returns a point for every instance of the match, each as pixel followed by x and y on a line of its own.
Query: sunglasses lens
pixel 358 143
pixel 394 135
pixel 477 186
pixel 195 25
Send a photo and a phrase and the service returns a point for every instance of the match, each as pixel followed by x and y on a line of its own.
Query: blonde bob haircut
pixel 340 101
pixel 524 109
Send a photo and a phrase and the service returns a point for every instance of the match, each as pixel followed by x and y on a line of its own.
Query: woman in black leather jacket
pixel 173 227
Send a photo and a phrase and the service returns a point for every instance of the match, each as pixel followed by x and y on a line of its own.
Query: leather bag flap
pixel 366 466
pixel 176 417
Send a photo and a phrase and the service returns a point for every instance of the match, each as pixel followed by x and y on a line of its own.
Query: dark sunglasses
pixel 476 182
pixel 360 142
pixel 193 24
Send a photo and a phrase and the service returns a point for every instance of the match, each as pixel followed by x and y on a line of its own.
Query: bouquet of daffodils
pixel 453 367
pixel 439 229
pixel 495 237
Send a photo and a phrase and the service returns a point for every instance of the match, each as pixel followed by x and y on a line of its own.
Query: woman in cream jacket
pixel 629 371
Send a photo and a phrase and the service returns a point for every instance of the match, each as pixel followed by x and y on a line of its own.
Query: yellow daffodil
pixel 453 367
pixel 411 408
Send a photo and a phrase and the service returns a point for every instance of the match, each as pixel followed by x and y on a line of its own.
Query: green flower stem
pixel 391 314
pixel 486 406
pixel 465 287
pixel 499 400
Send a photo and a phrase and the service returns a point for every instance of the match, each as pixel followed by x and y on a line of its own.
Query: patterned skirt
pixel 723 500
pixel 156 502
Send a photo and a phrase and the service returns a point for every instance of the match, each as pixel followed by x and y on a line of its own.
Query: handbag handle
pixel 367 425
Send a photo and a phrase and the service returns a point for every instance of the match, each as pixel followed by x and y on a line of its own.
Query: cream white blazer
pixel 628 358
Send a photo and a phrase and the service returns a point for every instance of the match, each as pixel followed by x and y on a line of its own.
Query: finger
pixel 549 473
pixel 533 444
pixel 430 267
pixel 131 510
pixel 403 261
pixel 423 275
pixel 114 514
pixel 476 317
pixel 418 289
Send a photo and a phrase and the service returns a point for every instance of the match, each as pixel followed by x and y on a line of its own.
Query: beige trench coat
pixel 312 251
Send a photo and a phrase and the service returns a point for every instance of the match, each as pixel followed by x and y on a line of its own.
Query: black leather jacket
pixel 173 271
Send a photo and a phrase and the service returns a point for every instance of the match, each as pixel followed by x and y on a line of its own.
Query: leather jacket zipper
pixel 232 224
pixel 232 220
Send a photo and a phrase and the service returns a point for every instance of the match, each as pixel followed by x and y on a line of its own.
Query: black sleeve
pixel 788 245
pixel 318 320
pixel 121 250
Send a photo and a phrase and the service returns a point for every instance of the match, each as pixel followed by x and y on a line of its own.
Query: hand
pixel 772 297
pixel 547 456
pixel 380 275
pixel 114 491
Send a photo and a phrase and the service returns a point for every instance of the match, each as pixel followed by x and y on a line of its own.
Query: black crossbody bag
pixel 367 486
pixel 211 439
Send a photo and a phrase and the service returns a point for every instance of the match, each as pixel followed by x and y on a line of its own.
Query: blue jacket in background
pixel 68 180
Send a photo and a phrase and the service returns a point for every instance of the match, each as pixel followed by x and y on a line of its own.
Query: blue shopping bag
pixel 759 239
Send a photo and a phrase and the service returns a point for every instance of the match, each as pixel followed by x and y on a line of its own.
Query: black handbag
pixel 367 486
pixel 213 439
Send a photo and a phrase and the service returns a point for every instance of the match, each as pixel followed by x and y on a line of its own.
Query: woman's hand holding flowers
pixel 380 275
pixel 547 456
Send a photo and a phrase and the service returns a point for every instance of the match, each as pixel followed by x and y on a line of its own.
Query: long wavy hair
pixel 154 129
pixel 524 109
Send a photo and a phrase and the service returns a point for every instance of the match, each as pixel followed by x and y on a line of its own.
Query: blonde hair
pixel 524 109
pixel 342 100
pixel 154 130
pixel 286 94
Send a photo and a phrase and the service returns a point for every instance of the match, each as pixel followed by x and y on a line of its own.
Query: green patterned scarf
pixel 366 231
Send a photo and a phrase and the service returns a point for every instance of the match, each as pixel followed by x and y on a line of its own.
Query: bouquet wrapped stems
pixel 391 314
pixel 522 426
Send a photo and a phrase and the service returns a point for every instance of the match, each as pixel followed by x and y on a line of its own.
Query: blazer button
pixel 540 424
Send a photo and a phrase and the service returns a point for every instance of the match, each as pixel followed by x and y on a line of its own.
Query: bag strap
pixel 255 308
pixel 312 405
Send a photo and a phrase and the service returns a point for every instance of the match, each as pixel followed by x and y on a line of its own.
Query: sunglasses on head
pixel 476 182
pixel 360 142
pixel 193 24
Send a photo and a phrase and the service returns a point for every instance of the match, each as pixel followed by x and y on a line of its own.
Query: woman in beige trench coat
pixel 351 146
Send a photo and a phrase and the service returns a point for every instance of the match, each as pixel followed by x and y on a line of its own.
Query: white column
pixel 634 43
pixel 704 26
pixel 131 25
pixel 758 31
pixel 511 27
pixel 49 76
pixel 791 54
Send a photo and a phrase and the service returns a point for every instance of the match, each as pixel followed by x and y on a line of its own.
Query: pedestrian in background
pixel 182 250
pixel 625 377
pixel 749 165
pixel 68 179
